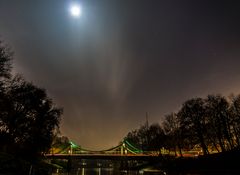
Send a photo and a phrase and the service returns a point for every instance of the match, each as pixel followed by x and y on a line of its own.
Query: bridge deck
pixel 103 156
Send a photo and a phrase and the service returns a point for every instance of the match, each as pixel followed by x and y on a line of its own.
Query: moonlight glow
pixel 75 10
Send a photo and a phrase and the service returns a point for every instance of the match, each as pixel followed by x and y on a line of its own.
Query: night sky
pixel 123 58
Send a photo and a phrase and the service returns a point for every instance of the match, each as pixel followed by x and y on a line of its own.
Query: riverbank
pixel 11 165
pixel 219 163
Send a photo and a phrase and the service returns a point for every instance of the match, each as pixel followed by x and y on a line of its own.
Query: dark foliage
pixel 210 124
pixel 28 117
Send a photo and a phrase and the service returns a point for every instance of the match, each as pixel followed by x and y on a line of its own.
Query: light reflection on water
pixel 100 171
pixel 101 167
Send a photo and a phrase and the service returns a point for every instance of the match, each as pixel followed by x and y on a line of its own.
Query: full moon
pixel 75 10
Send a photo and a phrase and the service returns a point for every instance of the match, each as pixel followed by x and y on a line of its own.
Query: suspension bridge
pixel 124 150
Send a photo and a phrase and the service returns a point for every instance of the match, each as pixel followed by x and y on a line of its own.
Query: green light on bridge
pixel 73 145
pixel 136 150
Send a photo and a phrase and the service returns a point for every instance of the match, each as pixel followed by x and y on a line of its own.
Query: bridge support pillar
pixel 69 165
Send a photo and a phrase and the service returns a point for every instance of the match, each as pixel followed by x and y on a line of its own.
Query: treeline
pixel 211 123
pixel 28 117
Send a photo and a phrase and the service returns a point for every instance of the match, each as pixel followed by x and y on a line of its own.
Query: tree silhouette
pixel 192 119
pixel 28 117
pixel 174 134
pixel 157 138
pixel 211 123
pixel 148 138
pixel 235 113
pixel 217 109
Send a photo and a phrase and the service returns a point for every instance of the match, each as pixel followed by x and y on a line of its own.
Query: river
pixel 93 167
pixel 105 171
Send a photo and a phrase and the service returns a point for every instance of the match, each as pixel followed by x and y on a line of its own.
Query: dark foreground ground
pixel 11 165
pixel 220 163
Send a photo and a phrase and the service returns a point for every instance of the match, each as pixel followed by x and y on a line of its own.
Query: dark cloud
pixel 123 59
